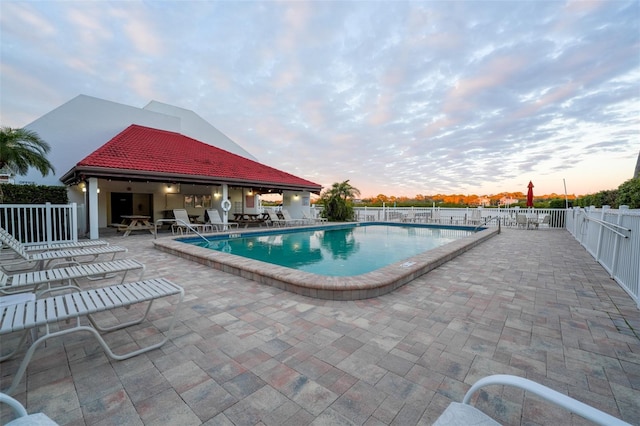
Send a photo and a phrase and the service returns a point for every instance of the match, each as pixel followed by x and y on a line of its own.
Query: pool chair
pixel 312 220
pixel 53 313
pixel 184 225
pixel 21 417
pixel 216 221
pixel 32 248
pixel 20 259
pixel 463 414
pixel 274 220
pixel 64 277
pixel 522 221
pixel 409 217
pixel 288 220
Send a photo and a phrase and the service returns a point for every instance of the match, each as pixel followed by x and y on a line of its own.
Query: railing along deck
pixel 40 223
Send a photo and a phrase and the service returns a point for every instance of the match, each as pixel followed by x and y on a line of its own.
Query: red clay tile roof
pixel 159 152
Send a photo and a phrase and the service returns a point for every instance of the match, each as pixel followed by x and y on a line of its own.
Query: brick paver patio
pixel 529 303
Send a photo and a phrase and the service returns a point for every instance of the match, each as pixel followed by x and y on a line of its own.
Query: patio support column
pixel 225 196
pixel 92 207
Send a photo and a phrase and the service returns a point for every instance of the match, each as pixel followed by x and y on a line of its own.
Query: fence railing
pixel 40 223
pixel 459 216
pixel 612 237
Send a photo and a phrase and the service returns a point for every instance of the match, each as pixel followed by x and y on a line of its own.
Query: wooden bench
pixel 27 315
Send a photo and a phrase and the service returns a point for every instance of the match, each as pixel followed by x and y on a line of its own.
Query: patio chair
pixel 274 220
pixel 23 260
pixel 546 220
pixel 463 414
pixel 409 217
pixel 312 220
pixel 34 280
pixel 216 221
pixel 522 221
pixel 290 220
pixel 32 248
pixel 74 306
pixel 184 225
pixel 22 418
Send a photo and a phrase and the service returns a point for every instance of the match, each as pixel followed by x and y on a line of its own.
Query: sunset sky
pixel 401 98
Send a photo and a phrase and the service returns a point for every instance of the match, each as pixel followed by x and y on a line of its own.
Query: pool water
pixel 336 251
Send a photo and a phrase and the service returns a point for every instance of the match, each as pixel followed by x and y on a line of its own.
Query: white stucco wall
pixel 82 125
pixel 194 126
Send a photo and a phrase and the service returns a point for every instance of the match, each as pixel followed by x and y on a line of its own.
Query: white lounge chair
pixel 184 225
pixel 27 315
pixel 216 221
pixel 34 280
pixel 31 248
pixel 464 414
pixel 22 418
pixel 290 220
pixel 23 260
pixel 312 220
pixel 274 220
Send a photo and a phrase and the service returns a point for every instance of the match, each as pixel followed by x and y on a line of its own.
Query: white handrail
pixel 560 399
pixel 609 226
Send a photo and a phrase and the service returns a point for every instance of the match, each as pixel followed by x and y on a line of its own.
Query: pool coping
pixel 365 286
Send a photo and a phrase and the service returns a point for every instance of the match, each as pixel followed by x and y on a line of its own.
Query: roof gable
pixel 143 149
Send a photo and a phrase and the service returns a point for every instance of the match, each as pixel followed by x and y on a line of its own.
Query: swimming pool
pixel 337 250
pixel 371 284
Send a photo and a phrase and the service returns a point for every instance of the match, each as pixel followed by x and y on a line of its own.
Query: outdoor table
pixel 135 223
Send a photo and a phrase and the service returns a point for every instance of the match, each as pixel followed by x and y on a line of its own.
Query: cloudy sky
pixel 401 98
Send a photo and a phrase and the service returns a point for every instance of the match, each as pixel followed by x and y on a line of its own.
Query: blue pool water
pixel 336 251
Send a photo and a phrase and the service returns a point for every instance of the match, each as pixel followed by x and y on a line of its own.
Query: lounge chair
pixel 28 315
pixel 22 418
pixel 31 248
pixel 183 223
pixel 463 414
pixel 290 220
pixel 274 220
pixel 23 260
pixel 312 220
pixel 216 221
pixel 34 280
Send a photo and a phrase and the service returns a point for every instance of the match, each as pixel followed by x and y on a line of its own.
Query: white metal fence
pixel 459 216
pixel 612 237
pixel 40 223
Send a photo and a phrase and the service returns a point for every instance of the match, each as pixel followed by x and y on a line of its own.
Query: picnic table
pixel 135 223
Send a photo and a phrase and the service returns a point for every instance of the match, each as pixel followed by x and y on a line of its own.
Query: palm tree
pixel 21 149
pixel 336 206
pixel 344 190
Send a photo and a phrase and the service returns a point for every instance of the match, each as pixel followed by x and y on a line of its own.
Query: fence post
pixel 74 221
pixel 48 223
pixel 601 231
pixel 616 244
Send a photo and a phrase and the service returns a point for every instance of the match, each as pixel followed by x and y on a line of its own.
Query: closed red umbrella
pixel 530 195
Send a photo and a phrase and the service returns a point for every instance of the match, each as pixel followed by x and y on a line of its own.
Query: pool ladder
pixel 182 222
pixel 487 220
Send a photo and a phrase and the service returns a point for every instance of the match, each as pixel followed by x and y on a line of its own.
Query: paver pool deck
pixel 529 303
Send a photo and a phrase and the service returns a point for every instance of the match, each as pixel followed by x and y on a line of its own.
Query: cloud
pixel 399 97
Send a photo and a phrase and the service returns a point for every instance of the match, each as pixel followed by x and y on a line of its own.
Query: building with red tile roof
pixel 118 160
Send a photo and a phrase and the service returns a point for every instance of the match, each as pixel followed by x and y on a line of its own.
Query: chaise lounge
pixel 21 259
pixel 27 313
pixel 34 280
